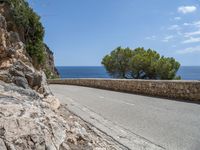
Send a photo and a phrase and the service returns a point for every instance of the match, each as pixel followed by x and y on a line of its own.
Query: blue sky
pixel 81 32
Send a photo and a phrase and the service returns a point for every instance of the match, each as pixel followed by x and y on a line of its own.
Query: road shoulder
pixel 122 136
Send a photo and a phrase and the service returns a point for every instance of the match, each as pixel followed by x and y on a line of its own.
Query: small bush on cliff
pixel 29 22
pixel 49 74
pixel 140 64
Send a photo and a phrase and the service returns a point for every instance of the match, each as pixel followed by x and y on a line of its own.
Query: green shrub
pixel 25 18
pixel 49 74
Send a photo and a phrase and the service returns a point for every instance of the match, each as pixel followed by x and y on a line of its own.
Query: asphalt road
pixel 173 125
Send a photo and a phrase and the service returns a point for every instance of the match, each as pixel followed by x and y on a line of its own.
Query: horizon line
pixel 103 66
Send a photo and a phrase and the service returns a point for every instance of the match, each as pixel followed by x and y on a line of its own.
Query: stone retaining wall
pixel 176 89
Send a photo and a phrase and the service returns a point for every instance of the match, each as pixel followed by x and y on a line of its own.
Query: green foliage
pixel 167 68
pixel 29 22
pixel 49 74
pixel 143 63
pixel 36 51
pixel 140 64
pixel 117 63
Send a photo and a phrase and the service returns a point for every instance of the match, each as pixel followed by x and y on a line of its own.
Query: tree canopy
pixel 140 64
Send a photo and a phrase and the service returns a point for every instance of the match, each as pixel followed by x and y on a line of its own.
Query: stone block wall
pixel 175 89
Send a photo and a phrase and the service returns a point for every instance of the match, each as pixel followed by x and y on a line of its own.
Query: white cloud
pixel 193 24
pixel 153 37
pixel 174 27
pixel 177 18
pixel 192 36
pixel 189 34
pixel 192 40
pixel 189 50
pixel 167 38
pixel 186 9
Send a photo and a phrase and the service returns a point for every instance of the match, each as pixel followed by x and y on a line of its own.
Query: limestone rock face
pixel 13 55
pixel 15 65
pixel 28 121
pixel 49 66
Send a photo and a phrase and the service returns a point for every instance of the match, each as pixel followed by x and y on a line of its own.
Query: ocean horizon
pixel 186 72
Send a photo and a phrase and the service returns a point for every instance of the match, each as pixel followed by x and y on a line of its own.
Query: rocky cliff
pixel 15 64
pixel 49 66
pixel 24 30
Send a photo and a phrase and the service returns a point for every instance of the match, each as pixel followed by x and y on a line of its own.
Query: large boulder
pixel 26 121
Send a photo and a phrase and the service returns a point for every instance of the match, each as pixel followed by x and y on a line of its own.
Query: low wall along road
pixel 176 89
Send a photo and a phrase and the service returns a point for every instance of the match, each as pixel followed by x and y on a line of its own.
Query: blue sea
pixel 186 72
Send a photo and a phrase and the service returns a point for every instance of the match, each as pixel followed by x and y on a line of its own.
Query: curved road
pixel 173 125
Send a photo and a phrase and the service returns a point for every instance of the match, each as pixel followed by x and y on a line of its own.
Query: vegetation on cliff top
pixel 140 64
pixel 25 18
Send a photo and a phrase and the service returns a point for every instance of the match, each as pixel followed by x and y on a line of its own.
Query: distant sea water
pixel 186 72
